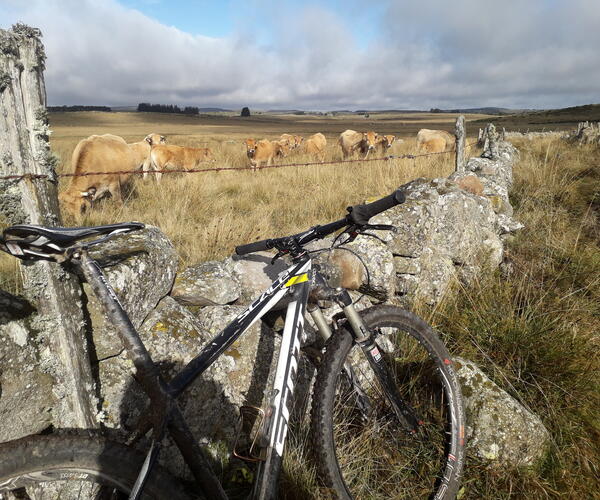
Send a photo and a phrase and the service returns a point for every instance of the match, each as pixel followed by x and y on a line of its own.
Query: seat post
pixel 147 372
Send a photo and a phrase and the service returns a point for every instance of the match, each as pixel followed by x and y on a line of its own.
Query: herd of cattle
pixel 116 159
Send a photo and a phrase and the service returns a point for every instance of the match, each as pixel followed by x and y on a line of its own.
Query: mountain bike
pixel 387 416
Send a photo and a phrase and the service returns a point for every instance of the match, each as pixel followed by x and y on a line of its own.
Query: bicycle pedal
pixel 251 417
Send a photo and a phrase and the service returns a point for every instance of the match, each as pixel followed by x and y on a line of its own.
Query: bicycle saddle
pixel 64 236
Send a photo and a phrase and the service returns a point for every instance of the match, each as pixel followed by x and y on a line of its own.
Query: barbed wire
pixel 223 169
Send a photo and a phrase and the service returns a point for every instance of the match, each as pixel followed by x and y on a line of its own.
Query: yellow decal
pixel 294 280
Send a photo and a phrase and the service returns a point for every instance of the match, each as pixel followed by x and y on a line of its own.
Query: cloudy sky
pixel 333 54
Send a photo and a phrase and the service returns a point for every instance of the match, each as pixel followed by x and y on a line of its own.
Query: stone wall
pixel 448 230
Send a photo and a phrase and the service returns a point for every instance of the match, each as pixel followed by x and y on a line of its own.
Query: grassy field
pixel 207 214
pixel 533 328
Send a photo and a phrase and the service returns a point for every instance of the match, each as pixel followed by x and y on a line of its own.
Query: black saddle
pixel 30 242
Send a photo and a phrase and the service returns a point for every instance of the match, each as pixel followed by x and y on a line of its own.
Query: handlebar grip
pixel 257 246
pixel 360 214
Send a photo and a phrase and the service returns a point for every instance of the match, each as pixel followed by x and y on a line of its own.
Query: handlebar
pixel 358 215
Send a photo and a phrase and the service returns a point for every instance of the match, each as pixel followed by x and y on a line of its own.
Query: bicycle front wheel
pixel 363 451
pixel 76 467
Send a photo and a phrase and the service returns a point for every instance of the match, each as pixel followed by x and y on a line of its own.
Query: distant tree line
pixel 78 108
pixel 167 108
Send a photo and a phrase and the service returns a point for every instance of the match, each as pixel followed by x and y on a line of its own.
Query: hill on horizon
pixel 559 119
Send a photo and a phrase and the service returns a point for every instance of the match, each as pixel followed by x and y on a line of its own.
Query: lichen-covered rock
pixel 470 183
pixel 255 273
pixel 141 268
pixel 499 428
pixel 368 264
pixel 443 232
pixel 173 336
pixel 26 396
pixel 12 307
pixel 205 284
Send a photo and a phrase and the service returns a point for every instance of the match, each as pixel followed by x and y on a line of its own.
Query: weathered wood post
pixel 480 139
pixel 25 150
pixel 460 133
pixel 490 145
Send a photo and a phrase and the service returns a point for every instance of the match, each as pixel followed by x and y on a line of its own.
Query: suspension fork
pixel 365 339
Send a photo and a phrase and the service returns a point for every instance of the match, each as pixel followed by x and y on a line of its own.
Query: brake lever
pixel 351 231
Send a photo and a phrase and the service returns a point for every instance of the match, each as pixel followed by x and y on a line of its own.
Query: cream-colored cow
pixel 435 141
pixel 98 153
pixel 384 142
pixel 351 141
pixel 164 157
pixel 315 145
pixel 262 151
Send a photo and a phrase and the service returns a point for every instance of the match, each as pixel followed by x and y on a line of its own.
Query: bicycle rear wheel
pixel 363 452
pixel 76 467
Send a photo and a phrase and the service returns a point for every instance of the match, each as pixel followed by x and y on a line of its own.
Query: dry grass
pixel 207 214
pixel 535 328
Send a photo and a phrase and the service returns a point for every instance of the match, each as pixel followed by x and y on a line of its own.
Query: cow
pixel 166 156
pixel 288 141
pixel 98 153
pixel 262 151
pixel 435 141
pixel 142 149
pixel 315 145
pixel 384 142
pixel 351 141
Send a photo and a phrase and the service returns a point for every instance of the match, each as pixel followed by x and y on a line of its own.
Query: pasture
pixel 532 327
pixel 207 214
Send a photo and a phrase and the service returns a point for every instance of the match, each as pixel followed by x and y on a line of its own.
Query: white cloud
pixel 433 53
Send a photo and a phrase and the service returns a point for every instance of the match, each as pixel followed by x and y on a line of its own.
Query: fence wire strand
pixel 20 177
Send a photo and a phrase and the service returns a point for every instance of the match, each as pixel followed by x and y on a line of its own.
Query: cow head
pixel 298 140
pixel 287 140
pixel 250 147
pixel 282 148
pixel 154 139
pixel 370 140
pixel 387 141
pixel 78 202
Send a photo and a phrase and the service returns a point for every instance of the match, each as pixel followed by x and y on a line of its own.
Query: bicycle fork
pixel 364 338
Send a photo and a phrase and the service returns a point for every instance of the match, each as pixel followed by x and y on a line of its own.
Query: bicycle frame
pixel 164 413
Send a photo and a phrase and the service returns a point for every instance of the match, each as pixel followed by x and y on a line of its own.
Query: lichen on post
pixel 460 132
pixel 56 295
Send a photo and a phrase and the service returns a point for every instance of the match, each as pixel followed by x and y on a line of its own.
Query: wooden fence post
pixel 24 149
pixel 460 133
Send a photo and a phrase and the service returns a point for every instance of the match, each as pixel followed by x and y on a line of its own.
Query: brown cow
pixel 261 151
pixel 288 141
pixel 98 153
pixel 384 142
pixel 142 149
pixel 435 141
pixel 351 141
pixel 165 157
pixel 315 145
